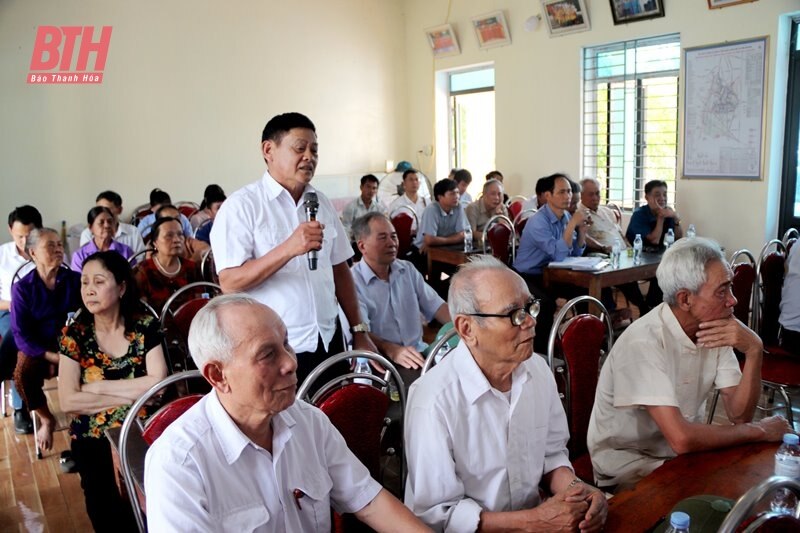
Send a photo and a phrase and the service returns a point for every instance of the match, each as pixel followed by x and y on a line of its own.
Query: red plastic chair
pixel 744 277
pixel 165 416
pixel 514 208
pixel 499 232
pixel 581 348
pixel 156 427
pixel 740 518
pixel 187 209
pixel 359 412
pixel 139 213
pixel 522 219
pixel 176 318
pixel 403 222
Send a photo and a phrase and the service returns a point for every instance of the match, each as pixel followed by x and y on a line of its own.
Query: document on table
pixel 581 263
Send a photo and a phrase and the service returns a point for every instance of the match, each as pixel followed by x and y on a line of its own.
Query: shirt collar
pixel 474 382
pixel 232 441
pixel 367 274
pixel 674 327
pixel 551 216
pixel 274 189
pixel 443 212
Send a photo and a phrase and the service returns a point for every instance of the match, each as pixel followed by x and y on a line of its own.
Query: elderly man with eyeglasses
pixel 485 428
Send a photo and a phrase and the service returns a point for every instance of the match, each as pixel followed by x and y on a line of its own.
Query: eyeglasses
pixel 517 316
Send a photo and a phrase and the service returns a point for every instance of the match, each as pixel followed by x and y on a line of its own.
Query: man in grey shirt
pixel 443 221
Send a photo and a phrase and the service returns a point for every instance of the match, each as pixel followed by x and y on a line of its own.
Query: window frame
pixel 791 145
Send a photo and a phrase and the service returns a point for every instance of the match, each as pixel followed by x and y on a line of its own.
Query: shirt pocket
pixel 313 497
pixel 245 519
pixel 267 239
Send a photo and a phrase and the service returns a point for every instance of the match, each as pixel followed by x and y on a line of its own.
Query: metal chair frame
pixel 756 314
pixel 500 219
pixel 139 213
pixel 166 315
pixel 515 198
pixel 430 361
pixel 129 422
pixel 204 223
pixel 411 210
pixel 748 502
pixel 381 381
pixel 790 233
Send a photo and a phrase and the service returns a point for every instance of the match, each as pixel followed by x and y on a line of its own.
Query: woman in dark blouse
pixel 40 301
pixel 110 355
pixel 165 272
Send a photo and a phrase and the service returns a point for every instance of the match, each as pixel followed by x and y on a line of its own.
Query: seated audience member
pixel 165 272
pixel 392 293
pixel 360 206
pixel 463 178
pixel 790 303
pixel 443 221
pixel 21 221
pixel 126 234
pixel 248 456
pixel 576 194
pixel 551 234
pixel 410 197
pixel 537 201
pixel 213 197
pixel 497 175
pixel 103 225
pixel 488 205
pixel 110 356
pixel 600 237
pixel 653 220
pixel 485 428
pixel 654 384
pixel 193 249
pixel 160 198
pixel 40 302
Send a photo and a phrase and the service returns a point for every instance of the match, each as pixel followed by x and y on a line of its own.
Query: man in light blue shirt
pixel 443 221
pixel 392 294
pixel 551 234
pixel 158 199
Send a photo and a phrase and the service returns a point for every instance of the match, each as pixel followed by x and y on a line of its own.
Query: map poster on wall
pixel 723 119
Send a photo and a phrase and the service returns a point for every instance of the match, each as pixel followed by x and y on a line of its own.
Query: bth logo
pixel 54 50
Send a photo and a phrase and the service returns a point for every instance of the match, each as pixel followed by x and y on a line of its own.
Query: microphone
pixel 312 206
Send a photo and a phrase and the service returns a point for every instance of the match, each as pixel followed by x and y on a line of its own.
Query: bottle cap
pixel 679 520
pixel 791 438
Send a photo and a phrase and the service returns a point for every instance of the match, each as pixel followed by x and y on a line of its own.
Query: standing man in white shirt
pixel 485 427
pixel 126 234
pixel 261 240
pixel 21 221
pixel 248 457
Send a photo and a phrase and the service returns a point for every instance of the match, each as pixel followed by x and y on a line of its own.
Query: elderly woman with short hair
pixel 103 226
pixel 40 302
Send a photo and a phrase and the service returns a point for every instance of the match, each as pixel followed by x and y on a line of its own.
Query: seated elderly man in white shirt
pixel 653 386
pixel 485 427
pixel 248 457
pixel 392 293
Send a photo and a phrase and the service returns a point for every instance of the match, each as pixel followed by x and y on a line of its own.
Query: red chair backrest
pixel 499 236
pixel 402 223
pixel 581 345
pixel 358 412
pixel 789 245
pixel 772 272
pixel 182 318
pixel 187 210
pixel 520 225
pixel 514 209
pixel 165 416
pixel 744 274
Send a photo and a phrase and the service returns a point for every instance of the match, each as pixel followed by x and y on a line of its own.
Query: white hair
pixel 462 296
pixel 584 181
pixel 489 183
pixel 683 266
pixel 33 238
pixel 208 340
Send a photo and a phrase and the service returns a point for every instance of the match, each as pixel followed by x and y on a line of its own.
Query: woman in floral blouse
pixel 110 355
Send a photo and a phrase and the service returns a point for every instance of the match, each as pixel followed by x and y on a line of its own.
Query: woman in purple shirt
pixel 103 225
pixel 40 301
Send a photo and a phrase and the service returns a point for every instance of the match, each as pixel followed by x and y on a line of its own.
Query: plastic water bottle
pixel 362 367
pixel 616 249
pixel 669 238
pixel 787 463
pixel 467 239
pixel 678 523
pixel 691 232
pixel 637 249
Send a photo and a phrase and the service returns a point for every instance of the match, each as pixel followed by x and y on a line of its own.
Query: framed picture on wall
pixel 625 11
pixel 565 16
pixel 443 41
pixel 491 30
pixel 716 4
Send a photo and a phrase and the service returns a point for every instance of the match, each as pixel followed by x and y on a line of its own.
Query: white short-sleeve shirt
pixel 259 217
pixel 653 363
pixel 10 261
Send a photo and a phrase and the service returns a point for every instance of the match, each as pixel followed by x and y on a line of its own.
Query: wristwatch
pixel 360 328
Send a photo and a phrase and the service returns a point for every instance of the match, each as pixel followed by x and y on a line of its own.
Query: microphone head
pixel 311 201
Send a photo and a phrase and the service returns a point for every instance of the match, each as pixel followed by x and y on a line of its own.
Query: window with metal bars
pixel 630 116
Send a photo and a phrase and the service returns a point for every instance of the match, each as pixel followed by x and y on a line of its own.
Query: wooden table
pixel 137 449
pixel 595 281
pixel 452 254
pixel 728 472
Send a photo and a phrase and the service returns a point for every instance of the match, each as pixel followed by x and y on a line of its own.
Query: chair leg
pixel 34 418
pixel 714 401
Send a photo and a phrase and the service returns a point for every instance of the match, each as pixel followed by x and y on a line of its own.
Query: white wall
pixel 189 85
pixel 538 95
